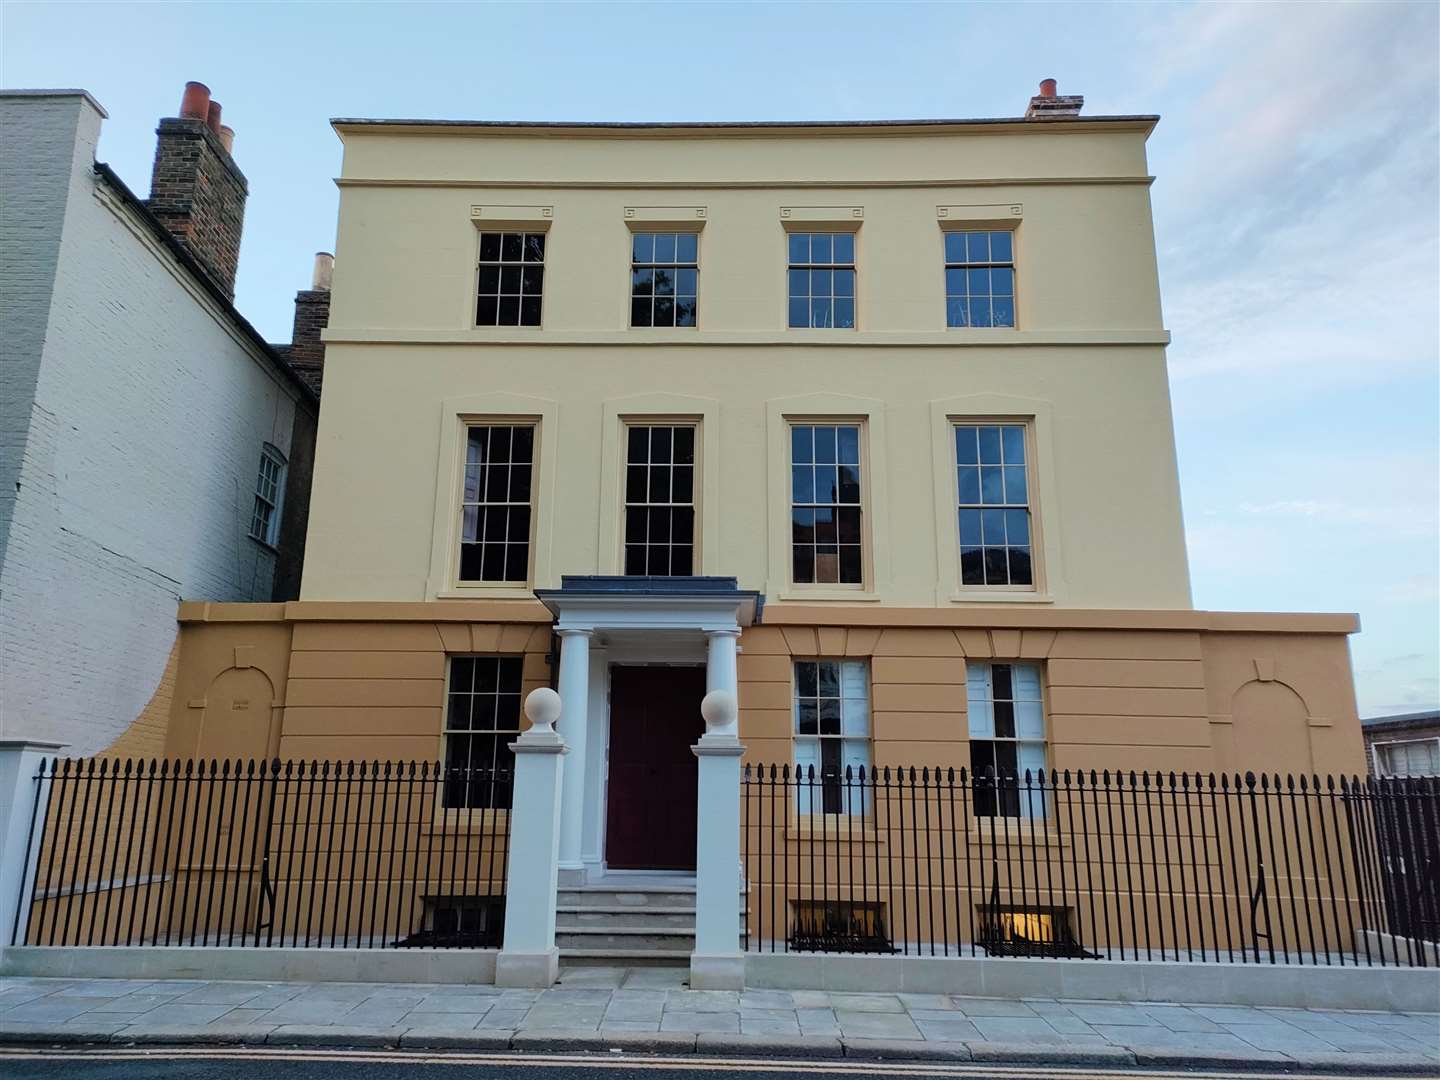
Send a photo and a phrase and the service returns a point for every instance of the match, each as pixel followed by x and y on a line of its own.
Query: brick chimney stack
pixel 196 189
pixel 1050 105
pixel 312 314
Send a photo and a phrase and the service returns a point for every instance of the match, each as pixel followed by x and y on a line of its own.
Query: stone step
pixel 676 958
pixel 648 938
pixel 581 915
pixel 609 896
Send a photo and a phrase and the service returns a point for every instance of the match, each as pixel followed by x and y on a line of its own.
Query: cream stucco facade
pixel 1084 365
pixel 1123 674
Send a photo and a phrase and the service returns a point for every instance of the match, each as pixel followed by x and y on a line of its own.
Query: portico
pixel 618 728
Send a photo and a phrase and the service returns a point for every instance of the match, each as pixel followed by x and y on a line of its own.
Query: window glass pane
pixel 687 247
pixel 993 485
pixel 832 723
pixel 659 498
pixel 990 444
pixel 844 251
pixel 484 696
pixel 799 248
pixel 665 247
pixel 821 246
pixel 495 503
pixel 824 445
pixel 511 279
pixel 643 247
pixel 979 268
pixel 800 313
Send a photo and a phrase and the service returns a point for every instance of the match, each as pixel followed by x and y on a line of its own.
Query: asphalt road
pixel 235 1063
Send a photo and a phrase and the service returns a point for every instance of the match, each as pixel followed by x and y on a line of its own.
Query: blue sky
pixel 1295 210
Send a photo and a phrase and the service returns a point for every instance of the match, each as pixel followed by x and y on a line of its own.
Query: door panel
pixel 654 721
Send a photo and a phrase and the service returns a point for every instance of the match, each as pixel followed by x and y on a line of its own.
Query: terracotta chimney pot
pixel 1048 88
pixel 196 101
pixel 227 138
pixel 212 117
pixel 324 268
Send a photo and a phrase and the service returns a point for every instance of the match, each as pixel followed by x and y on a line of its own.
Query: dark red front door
pixel 654 721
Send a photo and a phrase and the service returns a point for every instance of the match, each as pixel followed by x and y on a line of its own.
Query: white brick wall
pixel 137 475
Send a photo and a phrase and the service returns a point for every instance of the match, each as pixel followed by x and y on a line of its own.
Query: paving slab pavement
pixel 652 1011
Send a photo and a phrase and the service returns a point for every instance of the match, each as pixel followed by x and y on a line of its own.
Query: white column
pixel 717 962
pixel 720 660
pixel 574 720
pixel 529 956
pixel 19 851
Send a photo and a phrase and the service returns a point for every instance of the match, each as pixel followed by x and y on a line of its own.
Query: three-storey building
pixel 868 422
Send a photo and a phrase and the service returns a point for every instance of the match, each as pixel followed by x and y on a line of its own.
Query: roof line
pixel 57 93
pixel 710 125
pixel 202 277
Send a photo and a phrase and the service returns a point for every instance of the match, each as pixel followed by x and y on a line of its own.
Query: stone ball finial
pixel 720 711
pixel 542 706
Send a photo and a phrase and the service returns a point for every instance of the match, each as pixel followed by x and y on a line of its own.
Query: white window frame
pixel 696 472
pixel 447 733
pixel 854 701
pixel 268 533
pixel 1031 735
pixel 1027 435
pixel 862 425
pixel 1375 748
pixel 481 504
pixel 455 415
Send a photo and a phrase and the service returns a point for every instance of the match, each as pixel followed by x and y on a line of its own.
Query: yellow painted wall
pixel 1085 363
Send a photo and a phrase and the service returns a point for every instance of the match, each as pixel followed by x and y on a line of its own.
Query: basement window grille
pixel 459 922
pixel 838 926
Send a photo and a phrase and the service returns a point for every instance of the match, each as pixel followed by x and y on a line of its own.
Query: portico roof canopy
pixel 616 603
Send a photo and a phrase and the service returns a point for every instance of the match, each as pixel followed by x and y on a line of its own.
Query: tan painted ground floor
pixel 825 686
pixel 1143 690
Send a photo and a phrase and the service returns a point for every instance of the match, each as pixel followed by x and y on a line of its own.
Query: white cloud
pixel 1298 206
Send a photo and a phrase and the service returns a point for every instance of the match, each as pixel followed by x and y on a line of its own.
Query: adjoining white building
pixel 153 447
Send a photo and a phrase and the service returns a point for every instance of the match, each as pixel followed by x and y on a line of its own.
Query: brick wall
pixel 137 475
pixel 199 193
pixel 307 351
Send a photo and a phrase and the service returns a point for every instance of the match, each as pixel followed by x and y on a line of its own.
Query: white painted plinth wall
pixel 717 963
pixel 529 957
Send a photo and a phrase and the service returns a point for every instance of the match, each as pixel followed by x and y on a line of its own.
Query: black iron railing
pixel 1122 866
pixel 270 853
